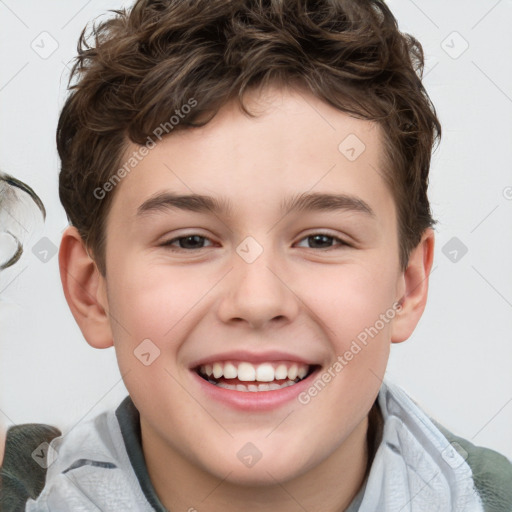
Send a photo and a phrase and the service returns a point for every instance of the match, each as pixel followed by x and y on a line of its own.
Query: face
pixel 252 325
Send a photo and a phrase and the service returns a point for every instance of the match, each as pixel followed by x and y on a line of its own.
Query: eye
pixel 187 242
pixel 314 241
pixel 322 241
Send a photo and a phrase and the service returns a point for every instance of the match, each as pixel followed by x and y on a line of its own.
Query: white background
pixel 458 363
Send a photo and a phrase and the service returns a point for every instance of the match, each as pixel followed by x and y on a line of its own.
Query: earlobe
pixel 414 284
pixel 84 289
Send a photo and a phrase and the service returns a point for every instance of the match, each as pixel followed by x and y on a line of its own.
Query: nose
pixel 258 293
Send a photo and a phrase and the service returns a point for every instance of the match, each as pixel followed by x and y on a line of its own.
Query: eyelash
pixel 169 243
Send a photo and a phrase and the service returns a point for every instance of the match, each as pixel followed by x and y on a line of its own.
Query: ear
pixel 413 288
pixel 84 289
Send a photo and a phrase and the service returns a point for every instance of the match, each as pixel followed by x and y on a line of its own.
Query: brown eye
pixel 186 242
pixel 322 241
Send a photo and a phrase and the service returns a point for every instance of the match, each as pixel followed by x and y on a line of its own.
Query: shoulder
pixel 469 469
pixel 23 472
pixel 492 472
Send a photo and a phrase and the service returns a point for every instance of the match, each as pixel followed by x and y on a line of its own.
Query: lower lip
pixel 254 400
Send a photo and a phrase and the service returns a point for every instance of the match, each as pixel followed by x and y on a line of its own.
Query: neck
pixel 182 485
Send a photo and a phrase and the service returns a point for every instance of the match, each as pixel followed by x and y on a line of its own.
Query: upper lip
pixel 251 357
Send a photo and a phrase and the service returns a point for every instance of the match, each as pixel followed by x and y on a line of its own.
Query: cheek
pixel 351 300
pixel 152 300
pixel 147 307
pixel 356 308
pixel 156 303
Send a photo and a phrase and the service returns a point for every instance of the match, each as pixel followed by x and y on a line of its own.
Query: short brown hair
pixel 135 69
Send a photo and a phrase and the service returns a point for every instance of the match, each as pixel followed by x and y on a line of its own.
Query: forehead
pixel 295 144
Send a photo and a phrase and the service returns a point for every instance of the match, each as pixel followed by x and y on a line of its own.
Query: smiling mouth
pixel 246 377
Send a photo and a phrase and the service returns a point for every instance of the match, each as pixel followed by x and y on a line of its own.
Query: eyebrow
pixel 222 206
pixel 326 202
pixel 190 202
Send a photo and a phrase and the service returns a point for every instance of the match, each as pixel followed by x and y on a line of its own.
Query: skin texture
pixel 303 299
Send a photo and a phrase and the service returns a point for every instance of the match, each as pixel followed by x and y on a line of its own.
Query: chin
pixel 249 467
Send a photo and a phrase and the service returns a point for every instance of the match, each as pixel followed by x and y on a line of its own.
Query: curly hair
pixel 10 200
pixel 139 66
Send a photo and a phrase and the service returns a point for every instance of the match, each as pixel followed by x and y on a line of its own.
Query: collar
pixel 415 467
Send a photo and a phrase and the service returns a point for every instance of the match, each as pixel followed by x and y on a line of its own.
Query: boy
pixel 251 266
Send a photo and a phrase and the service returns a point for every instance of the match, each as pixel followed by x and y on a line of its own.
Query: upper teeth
pixel 247 372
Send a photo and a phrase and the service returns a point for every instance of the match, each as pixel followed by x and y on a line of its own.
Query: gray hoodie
pixel 418 466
